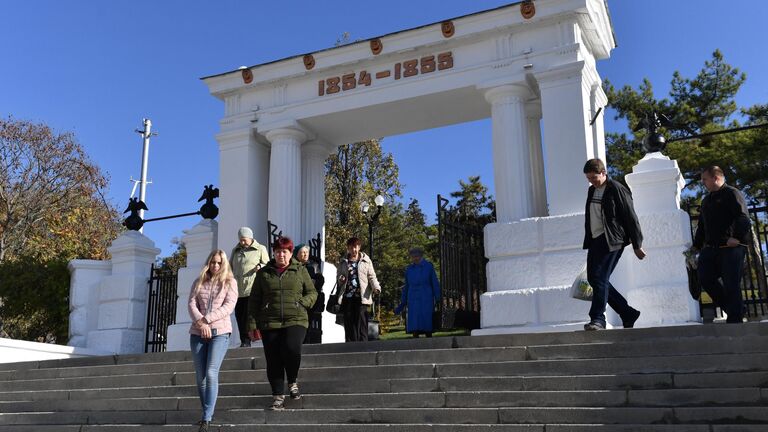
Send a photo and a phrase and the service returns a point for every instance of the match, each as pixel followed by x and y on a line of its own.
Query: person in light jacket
pixel 421 293
pixel 248 256
pixel 357 276
pixel 211 302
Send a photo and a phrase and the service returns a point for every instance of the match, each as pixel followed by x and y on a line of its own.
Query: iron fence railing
pixel 161 308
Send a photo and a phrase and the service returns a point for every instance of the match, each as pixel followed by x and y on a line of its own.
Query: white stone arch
pixel 535 76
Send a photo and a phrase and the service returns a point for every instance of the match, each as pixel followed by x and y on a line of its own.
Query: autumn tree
pixel 703 104
pixel 51 211
pixel 356 173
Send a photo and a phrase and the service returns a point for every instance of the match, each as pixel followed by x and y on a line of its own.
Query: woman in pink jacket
pixel 211 302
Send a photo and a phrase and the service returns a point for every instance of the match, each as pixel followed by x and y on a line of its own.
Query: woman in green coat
pixel 281 296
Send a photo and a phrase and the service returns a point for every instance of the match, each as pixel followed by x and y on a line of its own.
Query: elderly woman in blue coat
pixel 421 293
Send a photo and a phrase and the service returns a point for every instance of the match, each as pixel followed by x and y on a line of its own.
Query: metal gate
pixel 462 267
pixel 754 282
pixel 161 308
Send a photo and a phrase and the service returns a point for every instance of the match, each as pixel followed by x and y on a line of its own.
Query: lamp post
pixel 365 208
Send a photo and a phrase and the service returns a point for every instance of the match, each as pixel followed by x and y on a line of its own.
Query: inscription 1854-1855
pixel 404 69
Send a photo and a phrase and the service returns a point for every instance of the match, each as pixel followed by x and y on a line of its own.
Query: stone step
pixel 688 378
pixel 510 340
pixel 507 383
pixel 628 365
pixel 753 396
pixel 691 346
pixel 392 428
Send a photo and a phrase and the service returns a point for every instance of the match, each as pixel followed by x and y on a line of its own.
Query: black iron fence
pixel 462 266
pixel 161 308
pixel 754 283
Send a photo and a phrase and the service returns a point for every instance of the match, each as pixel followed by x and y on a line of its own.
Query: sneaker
pixel 629 321
pixel 203 426
pixel 593 326
pixel 294 390
pixel 245 345
pixel 278 403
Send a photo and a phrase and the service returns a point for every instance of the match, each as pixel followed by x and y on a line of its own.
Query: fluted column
pixel 538 182
pixel 284 204
pixel 511 153
pixel 313 157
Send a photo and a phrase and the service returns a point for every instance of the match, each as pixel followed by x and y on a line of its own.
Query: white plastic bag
pixel 581 289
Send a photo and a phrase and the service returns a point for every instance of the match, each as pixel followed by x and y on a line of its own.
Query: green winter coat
pixel 279 301
pixel 246 261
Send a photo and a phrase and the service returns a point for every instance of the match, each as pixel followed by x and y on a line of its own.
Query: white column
pixel 511 153
pixel 243 186
pixel 284 208
pixel 565 103
pixel 538 181
pixel 313 157
pixel 122 299
pixel 199 242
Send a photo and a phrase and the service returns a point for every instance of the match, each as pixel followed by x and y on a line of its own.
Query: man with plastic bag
pixel 610 225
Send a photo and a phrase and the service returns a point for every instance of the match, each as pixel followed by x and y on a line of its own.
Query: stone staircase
pixel 691 378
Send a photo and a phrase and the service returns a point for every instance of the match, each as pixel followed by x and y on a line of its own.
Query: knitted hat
pixel 299 247
pixel 245 232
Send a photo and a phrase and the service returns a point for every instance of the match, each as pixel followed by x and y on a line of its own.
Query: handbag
pixel 581 289
pixel 334 306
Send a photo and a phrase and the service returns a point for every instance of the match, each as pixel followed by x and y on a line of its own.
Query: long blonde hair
pixel 222 277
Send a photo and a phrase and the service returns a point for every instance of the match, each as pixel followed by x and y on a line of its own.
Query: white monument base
pixel 533 262
pixel 332 332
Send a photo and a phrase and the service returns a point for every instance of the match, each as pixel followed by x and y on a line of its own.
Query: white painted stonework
pixel 534 261
pixel 527 74
pixel 534 77
pixel 109 298
pixel 12 351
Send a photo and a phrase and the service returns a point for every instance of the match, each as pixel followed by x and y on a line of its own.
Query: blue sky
pixel 98 67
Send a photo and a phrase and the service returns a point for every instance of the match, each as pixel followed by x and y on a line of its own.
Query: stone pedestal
pixel 122 299
pixel 85 279
pixel 660 289
pixel 199 241
pixel 533 262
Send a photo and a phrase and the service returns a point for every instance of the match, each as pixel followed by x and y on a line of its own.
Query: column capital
pixel 560 74
pixel 507 93
pixel 286 132
pixel 235 138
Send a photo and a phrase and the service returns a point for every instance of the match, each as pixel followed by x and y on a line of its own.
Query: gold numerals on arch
pixel 401 70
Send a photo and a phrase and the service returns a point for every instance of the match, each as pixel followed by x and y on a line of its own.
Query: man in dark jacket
pixel 722 236
pixel 610 225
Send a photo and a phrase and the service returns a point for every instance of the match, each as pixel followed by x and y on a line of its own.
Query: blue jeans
pixel 600 265
pixel 208 355
pixel 727 264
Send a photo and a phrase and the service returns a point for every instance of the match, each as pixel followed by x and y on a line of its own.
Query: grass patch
pixel 399 333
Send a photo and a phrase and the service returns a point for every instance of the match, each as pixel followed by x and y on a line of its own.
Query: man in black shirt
pixel 722 236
